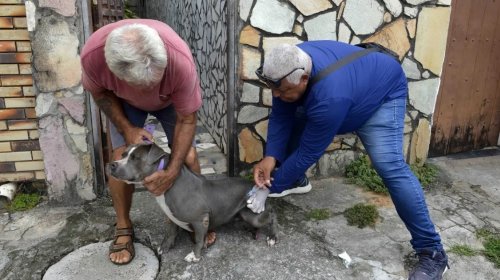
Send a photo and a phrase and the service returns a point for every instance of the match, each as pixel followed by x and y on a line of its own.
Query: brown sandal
pixel 128 246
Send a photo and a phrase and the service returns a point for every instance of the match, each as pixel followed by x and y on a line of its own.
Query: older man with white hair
pixel 134 68
pixel 323 88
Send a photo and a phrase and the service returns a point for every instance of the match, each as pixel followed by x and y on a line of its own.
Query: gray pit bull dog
pixel 193 203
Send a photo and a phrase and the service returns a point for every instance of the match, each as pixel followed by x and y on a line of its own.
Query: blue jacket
pixel 339 103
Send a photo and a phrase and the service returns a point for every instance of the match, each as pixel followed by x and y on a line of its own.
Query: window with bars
pixel 106 11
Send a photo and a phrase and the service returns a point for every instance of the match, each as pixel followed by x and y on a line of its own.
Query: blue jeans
pixel 382 137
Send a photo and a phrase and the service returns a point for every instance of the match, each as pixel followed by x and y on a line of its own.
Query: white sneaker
pixel 302 187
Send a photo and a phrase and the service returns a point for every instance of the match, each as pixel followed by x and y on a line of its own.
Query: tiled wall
pixel 20 155
pixel 203 25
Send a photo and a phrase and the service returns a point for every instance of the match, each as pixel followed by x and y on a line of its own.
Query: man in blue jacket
pixel 368 96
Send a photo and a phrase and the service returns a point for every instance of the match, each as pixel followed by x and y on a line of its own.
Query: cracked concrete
pixel 465 199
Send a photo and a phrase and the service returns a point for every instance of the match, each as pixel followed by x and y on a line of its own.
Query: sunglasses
pixel 272 83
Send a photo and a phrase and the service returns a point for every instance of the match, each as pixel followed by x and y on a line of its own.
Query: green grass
pixel 361 215
pixel 318 214
pixel 492 250
pixel 426 174
pixel 484 233
pixel 491 243
pixel 463 250
pixel 23 201
pixel 360 172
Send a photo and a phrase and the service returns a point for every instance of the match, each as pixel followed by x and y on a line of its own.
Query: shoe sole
pixel 297 190
pixel 445 269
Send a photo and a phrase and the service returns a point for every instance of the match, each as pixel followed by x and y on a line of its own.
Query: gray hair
pixel 136 53
pixel 283 59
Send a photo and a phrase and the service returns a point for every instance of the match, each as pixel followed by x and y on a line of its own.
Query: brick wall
pixel 20 155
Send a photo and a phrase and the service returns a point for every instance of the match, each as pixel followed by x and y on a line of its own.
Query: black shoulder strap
pixel 333 67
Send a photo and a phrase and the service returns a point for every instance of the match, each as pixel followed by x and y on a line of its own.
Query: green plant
pixel 492 250
pixel 361 172
pixel 24 201
pixel 318 214
pixel 128 13
pixel 426 174
pixel 249 177
pixel 491 243
pixel 463 250
pixel 484 233
pixel 361 215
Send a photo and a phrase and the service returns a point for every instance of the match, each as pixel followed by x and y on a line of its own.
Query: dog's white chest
pixel 161 201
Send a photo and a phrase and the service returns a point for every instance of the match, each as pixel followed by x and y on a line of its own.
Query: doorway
pixel 467 113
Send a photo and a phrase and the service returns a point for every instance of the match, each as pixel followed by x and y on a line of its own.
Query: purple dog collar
pixel 161 165
pixel 151 129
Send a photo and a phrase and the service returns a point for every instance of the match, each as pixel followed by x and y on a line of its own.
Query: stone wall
pixel 415 29
pixel 203 25
pixel 20 155
pixel 56 32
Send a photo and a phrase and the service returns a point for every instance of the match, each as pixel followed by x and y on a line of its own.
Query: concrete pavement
pixel 466 199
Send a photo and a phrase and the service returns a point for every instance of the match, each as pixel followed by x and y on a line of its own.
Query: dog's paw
pixel 271 241
pixel 191 258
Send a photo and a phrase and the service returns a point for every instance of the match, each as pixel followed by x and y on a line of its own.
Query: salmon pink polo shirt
pixel 180 85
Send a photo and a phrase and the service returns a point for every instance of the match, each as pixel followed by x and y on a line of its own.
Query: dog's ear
pixel 155 153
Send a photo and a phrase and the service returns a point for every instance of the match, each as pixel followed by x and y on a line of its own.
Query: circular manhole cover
pixel 92 262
